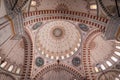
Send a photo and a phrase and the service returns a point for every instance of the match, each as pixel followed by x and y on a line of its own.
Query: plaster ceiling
pixel 61 40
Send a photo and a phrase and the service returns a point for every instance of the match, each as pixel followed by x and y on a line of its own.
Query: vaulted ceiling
pixel 59 40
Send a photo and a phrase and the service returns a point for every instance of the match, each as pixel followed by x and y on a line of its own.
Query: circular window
pixel 39 61
pixel 35 26
pixel 76 61
pixel 83 27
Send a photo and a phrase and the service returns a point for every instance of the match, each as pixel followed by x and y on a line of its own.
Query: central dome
pixel 58 39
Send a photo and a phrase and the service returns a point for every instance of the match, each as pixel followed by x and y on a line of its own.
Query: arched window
pixel 114 58
pixel 96 69
pixel 118 47
pixel 103 67
pixel 109 63
pixel 10 68
pixel 3 64
pixel 117 53
pixel 18 71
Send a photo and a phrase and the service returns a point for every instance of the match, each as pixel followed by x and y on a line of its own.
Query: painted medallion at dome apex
pixel 58 39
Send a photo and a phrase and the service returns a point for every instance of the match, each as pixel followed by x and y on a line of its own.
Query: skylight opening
pixel 114 58
pixel 117 53
pixel 118 47
pixel 10 68
pixel 109 63
pixel 103 67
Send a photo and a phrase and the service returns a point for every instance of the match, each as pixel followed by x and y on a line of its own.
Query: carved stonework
pixel 57 71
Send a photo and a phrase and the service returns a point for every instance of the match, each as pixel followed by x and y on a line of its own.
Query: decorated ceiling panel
pixel 60 40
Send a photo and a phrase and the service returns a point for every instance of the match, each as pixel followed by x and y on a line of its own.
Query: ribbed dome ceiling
pixel 58 39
